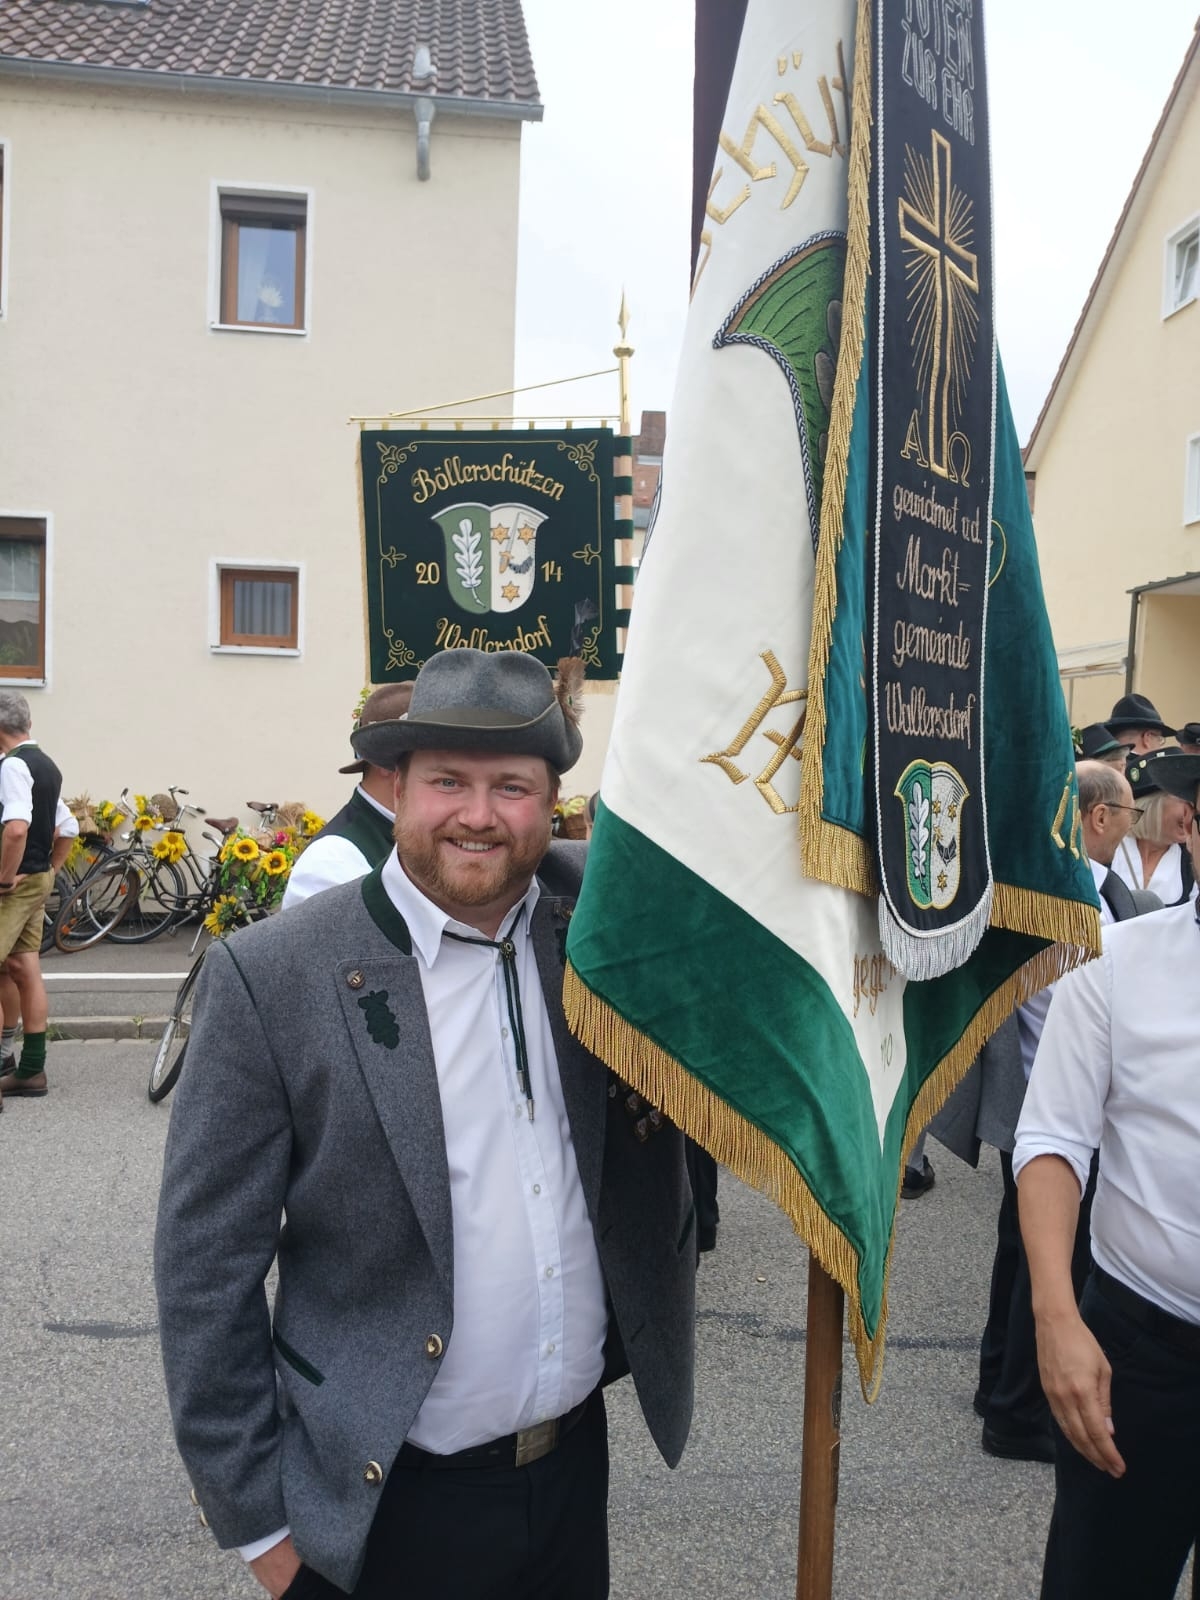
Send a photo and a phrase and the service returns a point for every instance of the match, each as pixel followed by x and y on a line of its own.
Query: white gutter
pixel 185 82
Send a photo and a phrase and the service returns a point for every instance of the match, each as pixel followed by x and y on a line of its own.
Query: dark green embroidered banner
pixel 934 405
pixel 492 541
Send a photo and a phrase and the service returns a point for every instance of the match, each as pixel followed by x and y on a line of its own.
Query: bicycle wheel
pixel 96 906
pixel 168 1058
pixel 64 888
pixel 159 898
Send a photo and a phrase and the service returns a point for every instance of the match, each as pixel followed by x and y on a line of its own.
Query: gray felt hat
pixel 1172 771
pixel 502 702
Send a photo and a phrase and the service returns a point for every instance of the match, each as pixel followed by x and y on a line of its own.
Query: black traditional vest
pixel 47 786
pixel 365 828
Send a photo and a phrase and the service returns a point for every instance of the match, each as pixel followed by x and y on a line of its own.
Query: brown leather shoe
pixel 12 1084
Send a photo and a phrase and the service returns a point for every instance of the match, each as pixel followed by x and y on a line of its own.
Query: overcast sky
pixel 1077 87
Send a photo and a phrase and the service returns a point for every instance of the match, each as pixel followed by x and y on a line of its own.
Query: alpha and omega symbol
pixel 785 744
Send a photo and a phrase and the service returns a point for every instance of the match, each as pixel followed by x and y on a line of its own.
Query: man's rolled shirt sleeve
pixel 323 865
pixel 1063 1113
pixel 16 790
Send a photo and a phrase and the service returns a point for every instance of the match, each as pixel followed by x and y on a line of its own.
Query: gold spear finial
pixel 623 351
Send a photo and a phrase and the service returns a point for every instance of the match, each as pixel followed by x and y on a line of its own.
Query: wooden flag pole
pixel 822 1435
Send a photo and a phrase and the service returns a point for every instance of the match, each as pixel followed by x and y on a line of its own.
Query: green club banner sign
pixel 492 541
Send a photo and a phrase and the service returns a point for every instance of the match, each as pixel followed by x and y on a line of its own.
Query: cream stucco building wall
pixel 157 446
pixel 1111 452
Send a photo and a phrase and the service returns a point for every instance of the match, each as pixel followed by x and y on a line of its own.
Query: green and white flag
pixel 725 957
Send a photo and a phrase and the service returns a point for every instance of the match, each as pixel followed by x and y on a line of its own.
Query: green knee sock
pixel 33 1055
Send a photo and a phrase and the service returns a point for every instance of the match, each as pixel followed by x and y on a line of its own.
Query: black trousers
pixel 1008 1369
pixel 522 1533
pixel 1112 1538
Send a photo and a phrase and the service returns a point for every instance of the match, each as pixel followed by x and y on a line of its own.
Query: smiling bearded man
pixel 471 829
pixel 479 1235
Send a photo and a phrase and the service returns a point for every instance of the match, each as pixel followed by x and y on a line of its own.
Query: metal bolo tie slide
pixel 512 995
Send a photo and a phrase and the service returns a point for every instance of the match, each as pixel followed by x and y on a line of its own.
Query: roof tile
pixel 479 47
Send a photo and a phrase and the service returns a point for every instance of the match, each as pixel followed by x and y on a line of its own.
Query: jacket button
pixel 355 979
pixel 373 1474
pixel 434 1346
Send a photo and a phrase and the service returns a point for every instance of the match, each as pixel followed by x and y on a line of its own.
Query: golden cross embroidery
pixel 785 744
pixel 936 223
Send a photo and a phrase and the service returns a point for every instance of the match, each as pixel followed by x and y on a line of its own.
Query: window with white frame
pixel 263 259
pixel 1191 481
pixel 256 607
pixel 23 598
pixel 1181 268
pixel 4 165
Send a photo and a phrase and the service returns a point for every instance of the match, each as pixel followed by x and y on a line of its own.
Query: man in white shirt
pixel 481 1230
pixel 30 791
pixel 1016 1420
pixel 1118 1069
pixel 359 836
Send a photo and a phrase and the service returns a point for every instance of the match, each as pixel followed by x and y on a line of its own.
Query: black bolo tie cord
pixel 512 994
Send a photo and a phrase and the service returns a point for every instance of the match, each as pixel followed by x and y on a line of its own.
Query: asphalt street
pixel 94 1502
pixel 131 985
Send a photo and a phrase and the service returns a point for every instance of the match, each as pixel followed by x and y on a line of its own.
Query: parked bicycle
pixel 93 848
pixel 135 895
pixel 172 1047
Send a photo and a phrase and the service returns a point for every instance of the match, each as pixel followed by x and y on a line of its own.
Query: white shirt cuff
pixel 251 1552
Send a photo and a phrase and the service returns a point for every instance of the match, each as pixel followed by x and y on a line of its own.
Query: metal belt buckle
pixel 536 1442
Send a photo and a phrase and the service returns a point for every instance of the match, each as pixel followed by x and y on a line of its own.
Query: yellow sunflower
pixel 171 847
pixel 145 822
pixel 275 862
pixel 225 914
pixel 245 850
pixel 311 823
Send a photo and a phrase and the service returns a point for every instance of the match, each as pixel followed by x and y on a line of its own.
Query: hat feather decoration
pixel 568 687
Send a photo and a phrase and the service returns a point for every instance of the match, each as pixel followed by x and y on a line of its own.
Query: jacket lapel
pixel 384 1010
pixel 584 1080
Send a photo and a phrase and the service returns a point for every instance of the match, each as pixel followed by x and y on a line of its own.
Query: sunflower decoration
pixel 276 862
pixel 145 814
pixel 245 849
pixel 171 847
pixel 311 824
pixel 226 914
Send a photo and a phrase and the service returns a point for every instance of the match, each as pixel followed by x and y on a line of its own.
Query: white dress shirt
pixel 529 1304
pixel 325 863
pixel 530 1314
pixel 1166 881
pixel 1031 1017
pixel 1119 1070
pixel 16 786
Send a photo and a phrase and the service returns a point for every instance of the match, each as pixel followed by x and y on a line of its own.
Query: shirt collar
pixel 426 922
pixel 1099 872
pixel 372 802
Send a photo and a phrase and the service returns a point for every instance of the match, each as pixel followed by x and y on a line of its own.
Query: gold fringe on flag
pixel 751 1155
pixel 831 853
pixel 730 1139
pixel 1046 916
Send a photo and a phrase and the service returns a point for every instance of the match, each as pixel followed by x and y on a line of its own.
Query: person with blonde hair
pixel 1155 854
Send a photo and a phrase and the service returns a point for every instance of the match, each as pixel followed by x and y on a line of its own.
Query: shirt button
pixel 537 1188
pixel 549 1272
pixel 504 1033
pixel 549 1349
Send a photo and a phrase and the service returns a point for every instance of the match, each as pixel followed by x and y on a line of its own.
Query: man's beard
pixel 463 879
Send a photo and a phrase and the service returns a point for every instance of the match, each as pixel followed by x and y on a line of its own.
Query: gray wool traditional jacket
pixel 287 1104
